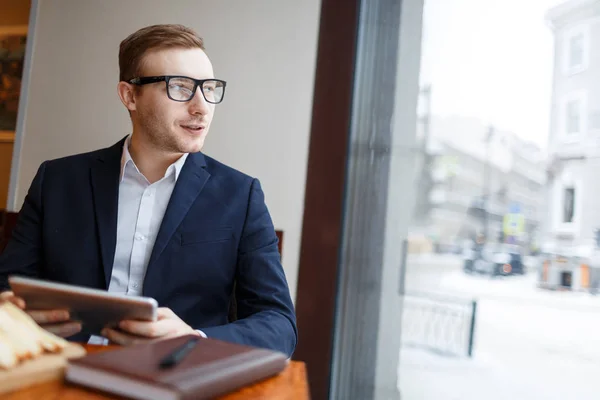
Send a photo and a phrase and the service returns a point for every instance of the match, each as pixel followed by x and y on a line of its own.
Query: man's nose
pixel 198 104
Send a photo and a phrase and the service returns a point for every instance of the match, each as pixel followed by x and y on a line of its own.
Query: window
pixel 553 183
pixel 568 205
pixel 576 50
pixel 573 123
pixel 573 118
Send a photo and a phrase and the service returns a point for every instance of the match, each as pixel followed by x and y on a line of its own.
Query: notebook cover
pixel 213 367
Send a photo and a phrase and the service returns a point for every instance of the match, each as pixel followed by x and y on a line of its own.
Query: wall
pixel 265 49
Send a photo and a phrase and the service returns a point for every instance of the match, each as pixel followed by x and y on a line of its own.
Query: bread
pixel 8 357
pixel 21 338
pixel 47 340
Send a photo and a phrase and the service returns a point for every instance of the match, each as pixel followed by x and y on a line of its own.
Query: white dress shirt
pixel 141 209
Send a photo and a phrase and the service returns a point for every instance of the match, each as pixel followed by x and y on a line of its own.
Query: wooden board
pixel 44 368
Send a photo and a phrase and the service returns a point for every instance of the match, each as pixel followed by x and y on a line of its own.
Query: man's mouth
pixel 193 127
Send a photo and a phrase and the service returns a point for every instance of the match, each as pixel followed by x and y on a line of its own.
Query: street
pixel 529 343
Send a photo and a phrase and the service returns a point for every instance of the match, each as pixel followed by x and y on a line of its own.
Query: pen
pixel 179 353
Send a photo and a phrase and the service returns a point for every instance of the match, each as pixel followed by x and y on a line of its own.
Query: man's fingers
pixel 19 302
pixel 10 296
pixel 64 329
pixel 168 325
pixel 122 338
pixel 48 316
pixel 150 329
pixel 165 312
pixel 144 328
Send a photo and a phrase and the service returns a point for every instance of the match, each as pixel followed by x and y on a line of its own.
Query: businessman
pixel 152 215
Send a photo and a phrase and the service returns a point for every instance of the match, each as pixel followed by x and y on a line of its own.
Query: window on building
pixel 574 110
pixel 575 51
pixel 573 118
pixel 568 209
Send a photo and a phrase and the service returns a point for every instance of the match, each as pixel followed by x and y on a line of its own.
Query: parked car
pixel 494 260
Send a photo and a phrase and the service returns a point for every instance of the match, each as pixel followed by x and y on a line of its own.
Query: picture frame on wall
pixel 13 39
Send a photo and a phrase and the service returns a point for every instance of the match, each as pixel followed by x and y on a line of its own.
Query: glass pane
pixel 573 117
pixel 576 51
pixel 503 262
pixel 213 91
pixel 568 205
pixel 181 88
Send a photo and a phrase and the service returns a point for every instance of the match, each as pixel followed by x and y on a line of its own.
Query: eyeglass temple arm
pixel 150 79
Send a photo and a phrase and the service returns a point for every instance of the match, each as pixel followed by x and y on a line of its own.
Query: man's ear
pixel 127 95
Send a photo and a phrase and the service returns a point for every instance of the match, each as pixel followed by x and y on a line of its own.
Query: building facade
pixel 475 168
pixel 573 212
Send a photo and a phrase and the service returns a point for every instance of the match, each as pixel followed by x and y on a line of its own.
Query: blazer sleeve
pixel 23 253
pixel 264 305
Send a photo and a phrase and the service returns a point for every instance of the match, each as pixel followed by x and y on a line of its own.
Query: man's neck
pixel 151 162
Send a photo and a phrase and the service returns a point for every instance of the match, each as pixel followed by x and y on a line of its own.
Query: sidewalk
pixel 529 344
pixel 426 376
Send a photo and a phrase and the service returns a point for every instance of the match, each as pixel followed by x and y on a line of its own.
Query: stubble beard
pixel 160 135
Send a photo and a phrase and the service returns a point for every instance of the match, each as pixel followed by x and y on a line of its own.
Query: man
pixel 154 216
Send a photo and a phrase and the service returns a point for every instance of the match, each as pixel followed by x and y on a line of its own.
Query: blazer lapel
pixel 190 183
pixel 105 187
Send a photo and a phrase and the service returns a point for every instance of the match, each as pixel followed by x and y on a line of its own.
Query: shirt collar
pixel 126 159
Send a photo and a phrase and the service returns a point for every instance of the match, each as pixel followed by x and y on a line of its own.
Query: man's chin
pixel 193 142
pixel 194 146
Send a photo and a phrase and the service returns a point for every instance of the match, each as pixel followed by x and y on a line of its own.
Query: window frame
pixel 569 35
pixel 570 137
pixel 558 209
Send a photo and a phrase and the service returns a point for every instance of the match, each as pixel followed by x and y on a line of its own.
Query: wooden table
pixel 290 384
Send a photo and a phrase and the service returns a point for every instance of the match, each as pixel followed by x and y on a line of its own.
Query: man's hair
pixel 151 38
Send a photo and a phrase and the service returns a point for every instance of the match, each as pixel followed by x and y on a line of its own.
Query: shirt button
pixel 139 236
pixel 135 285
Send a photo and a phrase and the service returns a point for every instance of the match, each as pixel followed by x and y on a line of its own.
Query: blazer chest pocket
pixel 207 236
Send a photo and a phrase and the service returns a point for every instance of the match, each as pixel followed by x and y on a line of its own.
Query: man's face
pixel 165 124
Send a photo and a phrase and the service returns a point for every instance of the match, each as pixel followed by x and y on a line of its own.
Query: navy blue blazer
pixel 216 231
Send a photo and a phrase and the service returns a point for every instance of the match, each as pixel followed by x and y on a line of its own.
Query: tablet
pixel 94 308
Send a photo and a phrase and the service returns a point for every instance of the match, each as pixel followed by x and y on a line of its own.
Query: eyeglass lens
pixel 182 89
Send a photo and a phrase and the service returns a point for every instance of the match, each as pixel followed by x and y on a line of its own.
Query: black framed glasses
pixel 183 88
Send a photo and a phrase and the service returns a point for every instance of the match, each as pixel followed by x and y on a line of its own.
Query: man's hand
pixel 54 321
pixel 168 325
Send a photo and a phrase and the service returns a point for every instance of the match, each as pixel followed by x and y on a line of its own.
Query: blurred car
pixel 494 260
